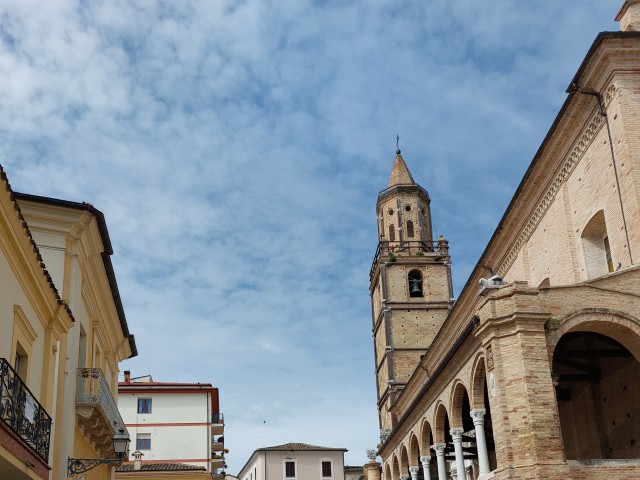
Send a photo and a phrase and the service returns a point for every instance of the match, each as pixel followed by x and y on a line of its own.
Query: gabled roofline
pixel 36 250
pixel 106 254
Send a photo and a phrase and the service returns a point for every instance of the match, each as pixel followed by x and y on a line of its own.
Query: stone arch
pixel 414 451
pixel 620 326
pixel 404 461
pixel 395 470
pixel 425 437
pixel 455 404
pixel 595 357
pixel 441 424
pixel 387 472
pixel 478 382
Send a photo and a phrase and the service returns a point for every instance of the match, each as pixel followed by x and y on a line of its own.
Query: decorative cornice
pixel 569 164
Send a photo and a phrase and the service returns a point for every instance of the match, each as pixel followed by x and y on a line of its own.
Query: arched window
pixel 392 233
pixel 415 283
pixel 595 245
pixel 409 229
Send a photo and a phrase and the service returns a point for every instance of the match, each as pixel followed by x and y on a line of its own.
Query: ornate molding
pixel 569 164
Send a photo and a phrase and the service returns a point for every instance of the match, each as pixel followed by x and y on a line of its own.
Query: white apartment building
pixel 173 422
pixel 295 461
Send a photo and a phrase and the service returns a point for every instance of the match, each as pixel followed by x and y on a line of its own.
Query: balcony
pixel 217 424
pixel 22 413
pixel 97 413
pixel 217 446
pixel 217 461
pixel 390 251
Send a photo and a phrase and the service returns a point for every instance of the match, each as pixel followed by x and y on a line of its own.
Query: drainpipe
pixel 575 88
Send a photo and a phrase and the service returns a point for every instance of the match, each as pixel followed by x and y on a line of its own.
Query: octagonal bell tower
pixel 410 285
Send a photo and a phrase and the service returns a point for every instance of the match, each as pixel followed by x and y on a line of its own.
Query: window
pixel 415 283
pixel 290 469
pixel 143 441
pixel 392 233
pixel 595 246
pixel 144 405
pixel 326 469
pixel 410 229
pixel 607 254
pixel 21 362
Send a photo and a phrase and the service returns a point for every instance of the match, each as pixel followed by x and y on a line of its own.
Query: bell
pixel 415 287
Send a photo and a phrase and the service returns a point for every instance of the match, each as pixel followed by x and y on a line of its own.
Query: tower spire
pixel 400 174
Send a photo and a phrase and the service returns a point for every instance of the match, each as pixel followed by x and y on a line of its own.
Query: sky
pixel 237 149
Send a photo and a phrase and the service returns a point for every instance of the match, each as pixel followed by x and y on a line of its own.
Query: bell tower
pixel 410 285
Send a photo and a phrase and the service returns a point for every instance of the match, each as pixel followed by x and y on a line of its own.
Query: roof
pixel 36 251
pixel 155 467
pixel 164 384
pixel 299 447
pixel 106 255
pixel 400 174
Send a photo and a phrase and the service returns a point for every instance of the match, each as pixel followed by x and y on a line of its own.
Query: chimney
pixel 127 376
pixel 137 460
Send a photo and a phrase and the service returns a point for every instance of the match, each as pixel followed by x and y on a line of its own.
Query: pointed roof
pixel 400 174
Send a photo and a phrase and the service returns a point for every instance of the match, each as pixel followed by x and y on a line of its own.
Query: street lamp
pixel 120 447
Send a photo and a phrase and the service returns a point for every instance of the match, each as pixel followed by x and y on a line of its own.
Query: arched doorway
pixel 597 382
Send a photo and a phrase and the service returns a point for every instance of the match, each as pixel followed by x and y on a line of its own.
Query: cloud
pixel 237 149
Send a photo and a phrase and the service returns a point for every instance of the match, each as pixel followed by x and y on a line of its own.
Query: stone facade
pixel 533 372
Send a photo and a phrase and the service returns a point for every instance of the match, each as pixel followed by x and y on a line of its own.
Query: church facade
pixel 533 371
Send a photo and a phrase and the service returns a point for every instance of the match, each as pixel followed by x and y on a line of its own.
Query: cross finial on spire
pixel 397 144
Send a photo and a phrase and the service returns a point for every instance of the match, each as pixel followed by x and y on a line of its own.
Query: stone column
pixel 442 469
pixel 456 434
pixel 372 471
pixel 481 440
pixel 426 468
pixel 414 472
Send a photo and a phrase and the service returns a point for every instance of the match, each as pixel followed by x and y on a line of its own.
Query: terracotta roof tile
pixel 288 447
pixel 156 467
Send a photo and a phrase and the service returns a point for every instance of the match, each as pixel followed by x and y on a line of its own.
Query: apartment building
pixel 174 423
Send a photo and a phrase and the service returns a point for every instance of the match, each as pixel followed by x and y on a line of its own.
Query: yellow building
pixel 58 369
pixel 34 321
pixel 74 242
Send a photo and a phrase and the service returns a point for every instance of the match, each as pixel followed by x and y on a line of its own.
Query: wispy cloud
pixel 237 148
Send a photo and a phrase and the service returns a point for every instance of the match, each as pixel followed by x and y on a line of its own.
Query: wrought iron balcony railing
pixel 391 250
pixel 96 410
pixel 22 413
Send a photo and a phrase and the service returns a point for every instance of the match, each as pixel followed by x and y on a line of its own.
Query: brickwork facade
pixel 536 376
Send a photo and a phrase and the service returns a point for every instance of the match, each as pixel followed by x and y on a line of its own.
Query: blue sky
pixel 237 148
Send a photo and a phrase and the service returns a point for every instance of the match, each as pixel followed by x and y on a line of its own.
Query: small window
pixel 607 253
pixel 415 283
pixel 143 441
pixel 290 469
pixel 21 362
pixel 409 229
pixel 144 405
pixel 326 469
pixel 392 233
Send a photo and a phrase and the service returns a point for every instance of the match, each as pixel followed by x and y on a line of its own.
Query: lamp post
pixel 120 447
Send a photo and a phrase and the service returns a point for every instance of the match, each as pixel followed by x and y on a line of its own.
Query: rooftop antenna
pixel 397 144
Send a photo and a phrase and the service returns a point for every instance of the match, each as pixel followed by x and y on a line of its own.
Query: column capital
pixel 413 470
pixel 425 459
pixel 439 448
pixel 404 476
pixel 477 414
pixel 456 433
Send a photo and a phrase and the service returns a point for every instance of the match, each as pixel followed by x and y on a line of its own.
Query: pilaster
pixel 521 393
